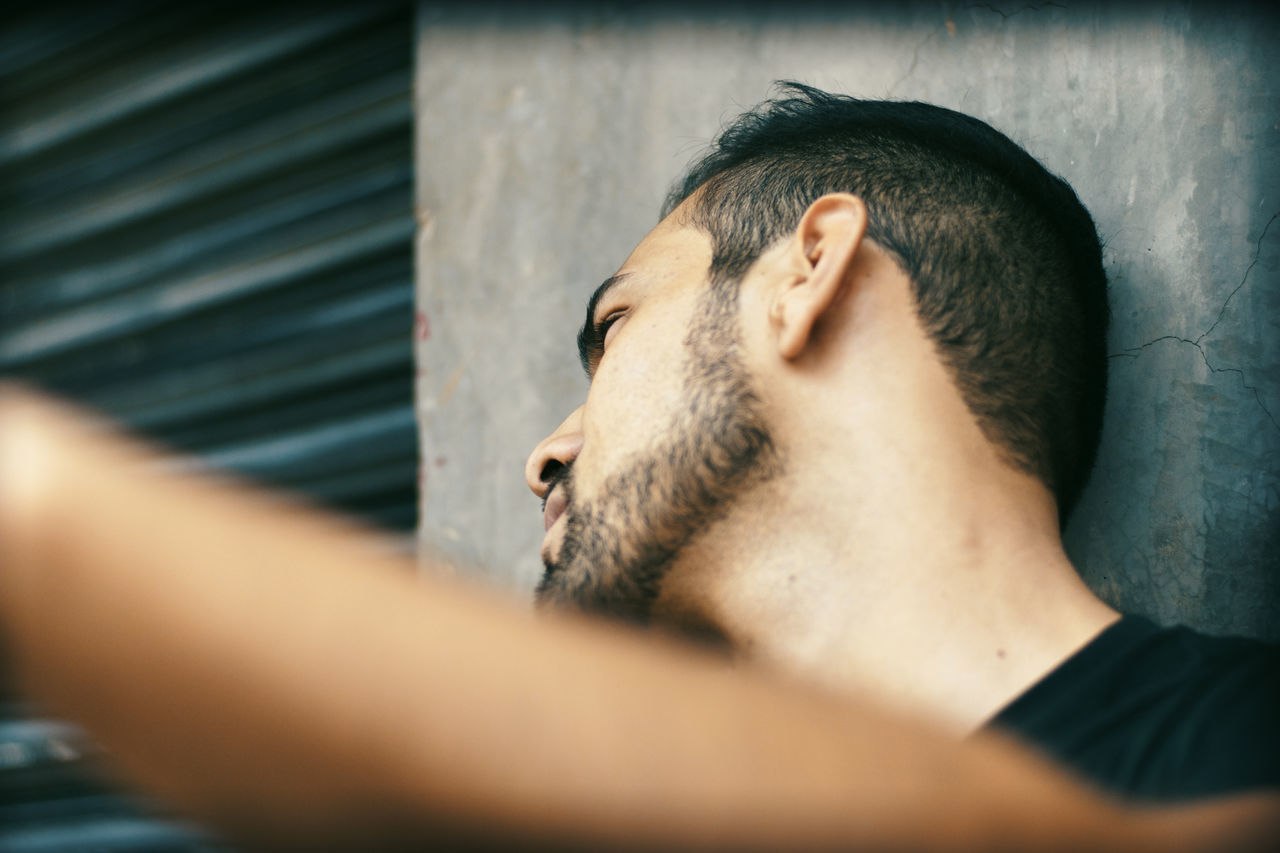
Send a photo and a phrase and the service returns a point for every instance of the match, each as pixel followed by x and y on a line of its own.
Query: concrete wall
pixel 545 143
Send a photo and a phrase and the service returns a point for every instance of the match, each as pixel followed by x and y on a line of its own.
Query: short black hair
pixel 1003 258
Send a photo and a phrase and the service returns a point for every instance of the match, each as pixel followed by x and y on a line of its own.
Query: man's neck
pixel 948 614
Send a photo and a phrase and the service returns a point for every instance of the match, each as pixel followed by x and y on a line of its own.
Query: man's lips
pixel 557 503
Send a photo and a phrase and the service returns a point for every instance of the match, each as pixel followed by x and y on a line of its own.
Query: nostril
pixel 550 470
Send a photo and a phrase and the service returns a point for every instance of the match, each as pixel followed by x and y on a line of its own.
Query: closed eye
pixel 607 324
pixel 592 344
pixel 591 335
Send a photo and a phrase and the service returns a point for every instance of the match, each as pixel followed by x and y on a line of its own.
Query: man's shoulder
pixel 1159 713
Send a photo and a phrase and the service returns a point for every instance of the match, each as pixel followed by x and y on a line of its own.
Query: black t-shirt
pixel 1159 713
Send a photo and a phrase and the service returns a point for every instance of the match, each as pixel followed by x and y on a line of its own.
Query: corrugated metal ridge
pixel 133 147
pixel 342 305
pixel 27 743
pixel 93 280
pixel 26 47
pixel 191 400
pixel 311 132
pixel 363 434
pixel 135 313
pixel 174 78
pixel 367 480
pixel 120 834
pixel 63 48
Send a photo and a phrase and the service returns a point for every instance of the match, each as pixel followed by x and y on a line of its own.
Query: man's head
pixel 1005 277
pixel 1004 259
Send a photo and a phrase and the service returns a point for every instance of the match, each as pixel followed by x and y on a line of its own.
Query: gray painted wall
pixel 546 142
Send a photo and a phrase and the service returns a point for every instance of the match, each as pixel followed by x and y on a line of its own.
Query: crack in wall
pixel 1257 253
pixel 911 69
pixel 1134 352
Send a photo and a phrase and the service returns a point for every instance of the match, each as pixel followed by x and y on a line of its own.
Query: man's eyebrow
pixel 589 343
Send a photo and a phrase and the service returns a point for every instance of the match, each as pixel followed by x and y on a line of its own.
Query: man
pixel 851 454
pixel 807 437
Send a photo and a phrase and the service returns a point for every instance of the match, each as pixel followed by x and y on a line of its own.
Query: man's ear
pixel 820 256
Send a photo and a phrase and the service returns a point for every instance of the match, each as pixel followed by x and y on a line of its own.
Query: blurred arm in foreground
pixel 274 671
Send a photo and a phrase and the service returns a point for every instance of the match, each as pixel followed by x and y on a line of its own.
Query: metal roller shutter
pixel 206 231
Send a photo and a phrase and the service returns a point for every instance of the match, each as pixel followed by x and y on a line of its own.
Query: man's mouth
pixel 557 503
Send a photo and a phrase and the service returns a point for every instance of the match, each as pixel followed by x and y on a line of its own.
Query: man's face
pixel 670 434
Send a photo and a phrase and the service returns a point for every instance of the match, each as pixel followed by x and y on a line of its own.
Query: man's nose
pixel 553 453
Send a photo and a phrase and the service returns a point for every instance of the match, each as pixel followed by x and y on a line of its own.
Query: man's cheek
pixel 630 407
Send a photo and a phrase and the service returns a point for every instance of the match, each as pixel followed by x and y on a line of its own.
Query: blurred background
pixel 206 231
pixel 214 221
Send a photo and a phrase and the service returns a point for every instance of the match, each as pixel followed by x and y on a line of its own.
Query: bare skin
pixel 277 672
pixel 896 553
pixel 284 676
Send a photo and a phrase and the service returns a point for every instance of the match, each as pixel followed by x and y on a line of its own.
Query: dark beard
pixel 616 551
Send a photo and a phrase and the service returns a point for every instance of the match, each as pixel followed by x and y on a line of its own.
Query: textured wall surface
pixel 546 142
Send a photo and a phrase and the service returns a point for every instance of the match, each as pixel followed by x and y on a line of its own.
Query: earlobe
pixel 821 257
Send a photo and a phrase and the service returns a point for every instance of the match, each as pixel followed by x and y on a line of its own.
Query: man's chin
pixel 552 591
pixel 552 549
